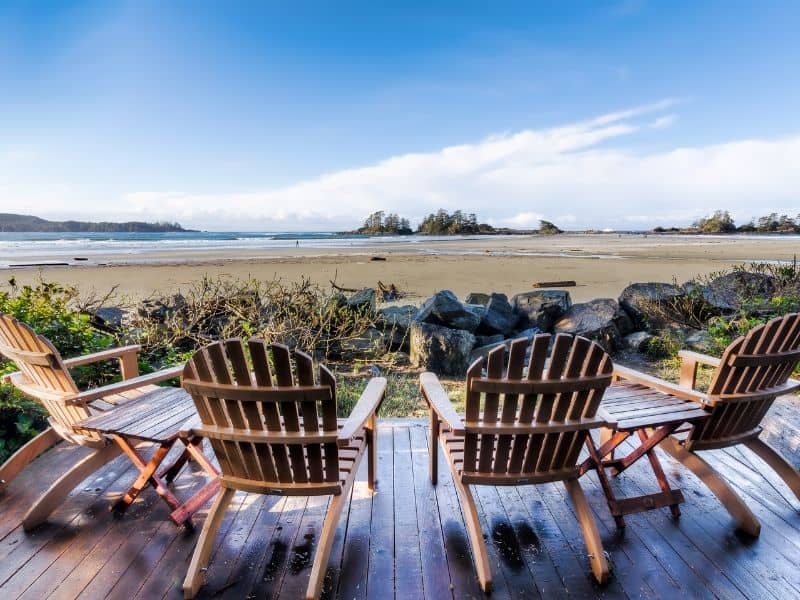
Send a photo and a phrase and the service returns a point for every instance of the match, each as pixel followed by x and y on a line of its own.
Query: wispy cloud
pixel 512 179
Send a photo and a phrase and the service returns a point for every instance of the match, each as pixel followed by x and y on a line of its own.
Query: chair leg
pixel 320 565
pixel 433 448
pixel 25 455
pixel 193 580
pixel 476 541
pixel 745 519
pixel 591 536
pixel 56 493
pixel 784 469
pixel 372 451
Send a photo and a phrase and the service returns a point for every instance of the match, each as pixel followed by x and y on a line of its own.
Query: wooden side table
pixel 630 409
pixel 162 418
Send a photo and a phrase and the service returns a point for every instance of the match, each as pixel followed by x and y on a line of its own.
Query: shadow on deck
pixel 409 537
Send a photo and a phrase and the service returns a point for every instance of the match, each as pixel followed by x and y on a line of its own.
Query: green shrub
pixel 49 309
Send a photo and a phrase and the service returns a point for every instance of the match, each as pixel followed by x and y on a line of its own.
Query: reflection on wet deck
pixel 408 539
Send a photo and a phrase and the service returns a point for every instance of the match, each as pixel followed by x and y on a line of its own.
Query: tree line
pixel 441 222
pixel 722 222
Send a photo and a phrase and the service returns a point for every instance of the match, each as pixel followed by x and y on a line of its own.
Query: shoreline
pixel 601 264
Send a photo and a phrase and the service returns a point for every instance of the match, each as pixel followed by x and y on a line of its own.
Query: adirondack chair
pixel 44 376
pixel 522 428
pixel 753 371
pixel 275 433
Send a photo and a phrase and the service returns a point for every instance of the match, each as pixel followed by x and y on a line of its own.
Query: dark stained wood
pixel 533 536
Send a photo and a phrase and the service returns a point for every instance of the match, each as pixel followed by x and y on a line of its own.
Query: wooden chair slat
pixel 308 408
pixel 494 370
pixel 291 422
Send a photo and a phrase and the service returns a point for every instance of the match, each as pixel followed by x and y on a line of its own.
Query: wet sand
pixel 600 264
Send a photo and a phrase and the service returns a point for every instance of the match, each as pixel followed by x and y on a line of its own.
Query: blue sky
pixel 255 115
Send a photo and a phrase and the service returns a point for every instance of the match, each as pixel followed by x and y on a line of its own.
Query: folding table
pixel 162 418
pixel 630 409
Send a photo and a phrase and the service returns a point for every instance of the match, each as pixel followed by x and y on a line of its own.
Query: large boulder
pixel 499 316
pixel 109 318
pixel 162 309
pixel 371 342
pixel 477 298
pixel 700 341
pixel 740 289
pixel 443 308
pixel 650 305
pixel 395 322
pixel 541 308
pixel 362 301
pixel 440 349
pixel 637 341
pixel 602 320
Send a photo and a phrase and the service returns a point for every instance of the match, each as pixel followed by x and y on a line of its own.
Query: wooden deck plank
pixel 408 559
pixel 381 575
pixel 355 554
pixel 435 573
pixel 459 557
pixel 408 539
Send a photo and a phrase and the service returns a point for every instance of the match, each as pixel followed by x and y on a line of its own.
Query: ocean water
pixel 23 248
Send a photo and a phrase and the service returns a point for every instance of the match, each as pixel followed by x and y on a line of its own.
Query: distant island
pixel 722 222
pixel 27 223
pixel 442 222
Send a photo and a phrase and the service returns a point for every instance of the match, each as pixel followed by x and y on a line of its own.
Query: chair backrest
pixel 272 430
pixel 531 425
pixel 754 370
pixel 43 377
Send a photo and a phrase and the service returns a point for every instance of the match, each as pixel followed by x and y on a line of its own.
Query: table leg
pixel 147 475
pixel 597 461
pixel 660 476
pixel 183 513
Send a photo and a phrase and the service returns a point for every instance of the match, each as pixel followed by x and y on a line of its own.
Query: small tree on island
pixel 381 223
pixel 548 228
pixel 444 223
pixel 720 222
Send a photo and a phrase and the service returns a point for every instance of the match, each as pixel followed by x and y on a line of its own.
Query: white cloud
pixel 663 121
pixel 510 179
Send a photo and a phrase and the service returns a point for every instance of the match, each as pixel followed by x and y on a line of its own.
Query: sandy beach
pixel 601 264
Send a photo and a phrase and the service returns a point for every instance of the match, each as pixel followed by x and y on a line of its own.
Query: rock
pixel 443 308
pixel 489 340
pixel 161 310
pixel 440 349
pixel 395 322
pixel 362 301
pixel 637 342
pixel 602 320
pixel 109 317
pixel 499 316
pixel 699 341
pixel 477 298
pixel 648 304
pixel 731 292
pixel 371 342
pixel 397 317
pixel 541 308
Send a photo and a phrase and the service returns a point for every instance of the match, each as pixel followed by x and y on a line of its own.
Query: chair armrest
pixel 697 357
pixel 437 398
pixel 127 356
pixel 689 363
pixel 100 393
pixel 660 385
pixel 366 407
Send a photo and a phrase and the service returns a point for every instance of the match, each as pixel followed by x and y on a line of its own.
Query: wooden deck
pixel 409 538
